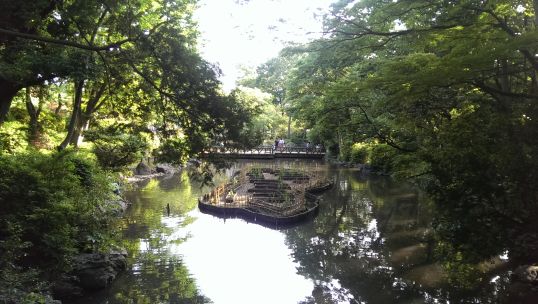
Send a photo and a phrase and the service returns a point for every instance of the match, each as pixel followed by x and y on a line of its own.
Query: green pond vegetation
pixel 443 94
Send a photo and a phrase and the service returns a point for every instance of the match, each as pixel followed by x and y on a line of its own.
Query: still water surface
pixel 369 244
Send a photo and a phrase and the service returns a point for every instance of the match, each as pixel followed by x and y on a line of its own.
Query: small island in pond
pixel 267 196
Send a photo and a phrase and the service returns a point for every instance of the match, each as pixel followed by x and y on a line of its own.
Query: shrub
pixel 115 152
pixel 18 284
pixel 52 207
pixel 173 151
pixel 360 153
pixel 13 137
pixel 381 158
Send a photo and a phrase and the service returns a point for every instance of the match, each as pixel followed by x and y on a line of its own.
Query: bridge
pixel 268 152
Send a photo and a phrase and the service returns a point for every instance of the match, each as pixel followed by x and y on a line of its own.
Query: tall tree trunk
pixel 78 122
pixel 289 127
pixel 340 143
pixel 32 112
pixel 504 77
pixel 84 117
pixel 535 4
pixel 77 131
pixel 79 85
pixel 59 107
pixel 81 126
pixel 8 90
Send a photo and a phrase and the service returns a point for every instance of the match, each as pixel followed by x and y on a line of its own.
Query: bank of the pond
pixel 148 170
pixel 56 228
pixel 95 271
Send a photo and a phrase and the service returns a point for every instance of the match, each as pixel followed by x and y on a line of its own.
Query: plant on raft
pixel 256 173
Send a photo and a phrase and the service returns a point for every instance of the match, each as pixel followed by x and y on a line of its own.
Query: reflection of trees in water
pixel 156 275
pixel 144 218
pixel 341 250
pixel 156 278
pixel 369 236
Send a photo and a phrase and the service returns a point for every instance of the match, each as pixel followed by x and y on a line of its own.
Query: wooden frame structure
pixel 266 196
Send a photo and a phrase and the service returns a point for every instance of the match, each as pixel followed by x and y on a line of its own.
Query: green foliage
pixel 267 121
pixel 153 76
pixel 271 77
pixel 13 137
pixel 53 206
pixel 486 206
pixel 117 151
pixel 98 68
pixel 460 273
pixel 18 284
pixel 447 91
pixel 172 151
pixel 382 157
pixel 360 153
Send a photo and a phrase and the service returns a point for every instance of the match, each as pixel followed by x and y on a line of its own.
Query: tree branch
pixel 491 90
pixel 89 47
pixel 505 27
pixel 93 48
pixel 366 31
pixel 384 138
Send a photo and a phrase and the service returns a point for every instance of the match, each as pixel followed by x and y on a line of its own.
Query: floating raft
pixel 274 198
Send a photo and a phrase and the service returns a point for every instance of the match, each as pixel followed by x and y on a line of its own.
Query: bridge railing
pixel 267 150
pixel 300 150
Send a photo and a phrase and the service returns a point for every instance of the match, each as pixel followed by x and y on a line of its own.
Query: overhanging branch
pixel 88 47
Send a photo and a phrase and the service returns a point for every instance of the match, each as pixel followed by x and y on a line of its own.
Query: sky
pixel 236 33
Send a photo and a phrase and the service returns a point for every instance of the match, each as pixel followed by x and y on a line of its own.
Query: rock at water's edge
pixel 118 205
pixel 67 287
pixel 91 271
pixel 98 270
pixel 142 169
pixel 165 168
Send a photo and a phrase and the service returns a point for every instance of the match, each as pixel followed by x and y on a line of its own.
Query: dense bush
pixel 51 207
pixel 173 151
pixel 13 137
pixel 360 153
pixel 381 158
pixel 115 152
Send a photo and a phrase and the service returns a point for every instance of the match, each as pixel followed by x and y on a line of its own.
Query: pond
pixel 370 243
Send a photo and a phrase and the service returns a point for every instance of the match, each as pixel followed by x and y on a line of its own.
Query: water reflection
pixel 237 262
pixel 370 243
pixel 347 250
pixel 155 274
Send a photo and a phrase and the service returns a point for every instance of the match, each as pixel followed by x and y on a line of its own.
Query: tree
pixel 267 121
pixel 34 113
pixel 271 77
pixel 450 87
pixel 104 47
pixel 26 57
